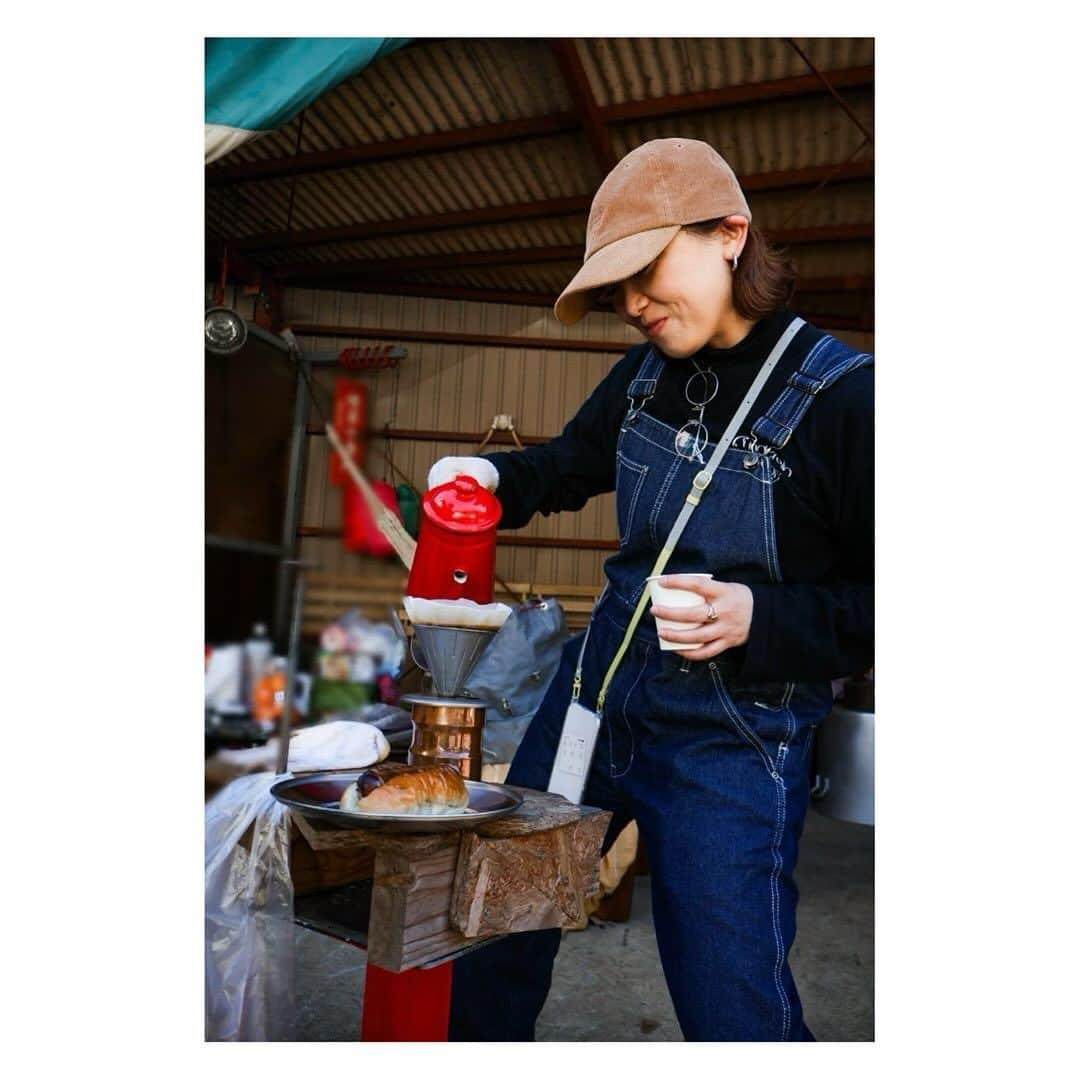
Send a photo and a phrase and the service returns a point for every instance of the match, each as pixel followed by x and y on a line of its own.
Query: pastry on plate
pixel 392 788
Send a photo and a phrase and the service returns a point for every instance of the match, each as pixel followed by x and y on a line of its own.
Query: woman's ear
pixel 732 232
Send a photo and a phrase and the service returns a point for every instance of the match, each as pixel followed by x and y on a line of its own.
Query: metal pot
pixel 446 729
pixel 844 765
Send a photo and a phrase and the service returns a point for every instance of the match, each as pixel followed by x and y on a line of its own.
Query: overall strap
pixel 643 385
pixel 697 488
pixel 826 362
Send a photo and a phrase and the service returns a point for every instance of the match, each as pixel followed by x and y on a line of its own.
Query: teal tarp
pixel 257 84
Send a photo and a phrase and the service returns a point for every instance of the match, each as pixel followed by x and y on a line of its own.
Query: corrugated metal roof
pixel 510 236
pixel 441 86
pixel 762 138
pixel 842 204
pixel 498 175
pixel 451 85
pixel 810 261
pixel 635 69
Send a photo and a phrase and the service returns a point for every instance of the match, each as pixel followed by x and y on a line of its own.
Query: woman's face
pixel 682 300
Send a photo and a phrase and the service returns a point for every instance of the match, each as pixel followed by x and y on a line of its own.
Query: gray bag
pixel 514 672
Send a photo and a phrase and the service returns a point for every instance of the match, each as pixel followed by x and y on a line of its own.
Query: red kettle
pixel 455 550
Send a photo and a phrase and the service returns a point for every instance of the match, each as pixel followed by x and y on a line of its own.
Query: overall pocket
pixel 763 695
pixel 761 714
pixel 629 480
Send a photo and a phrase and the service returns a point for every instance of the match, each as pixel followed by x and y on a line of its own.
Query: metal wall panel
pixel 460 388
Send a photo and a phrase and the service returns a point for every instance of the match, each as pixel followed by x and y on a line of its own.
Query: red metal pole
pixel 407 1006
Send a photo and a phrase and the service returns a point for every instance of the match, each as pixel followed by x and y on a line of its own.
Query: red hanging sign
pixel 350 421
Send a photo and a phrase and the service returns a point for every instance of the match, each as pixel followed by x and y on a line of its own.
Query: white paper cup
pixel 668 597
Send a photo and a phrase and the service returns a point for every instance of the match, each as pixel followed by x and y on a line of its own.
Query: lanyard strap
pixel 697 489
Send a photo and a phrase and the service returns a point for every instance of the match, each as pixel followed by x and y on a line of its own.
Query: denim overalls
pixel 715 771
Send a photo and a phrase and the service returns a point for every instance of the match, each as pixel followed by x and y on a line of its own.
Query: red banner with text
pixel 350 420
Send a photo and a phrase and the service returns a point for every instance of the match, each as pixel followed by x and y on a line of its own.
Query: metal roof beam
pixel 438 291
pixel 363 230
pixel 452 337
pixel 831 88
pixel 533 127
pixel 577 83
pixel 744 94
pixel 820 234
pixel 547 208
pixel 444 261
pixel 382 287
pixel 525 256
pixel 785 179
pixel 841 283
pixel 347 157
pixel 456 337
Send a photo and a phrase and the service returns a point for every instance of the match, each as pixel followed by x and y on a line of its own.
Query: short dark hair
pixel 765 279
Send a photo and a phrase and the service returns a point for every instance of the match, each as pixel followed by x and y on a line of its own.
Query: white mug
pixel 682 598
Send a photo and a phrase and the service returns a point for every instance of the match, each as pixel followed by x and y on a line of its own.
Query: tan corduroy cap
pixel 642 203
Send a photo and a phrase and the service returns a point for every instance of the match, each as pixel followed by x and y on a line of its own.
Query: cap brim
pixel 619 260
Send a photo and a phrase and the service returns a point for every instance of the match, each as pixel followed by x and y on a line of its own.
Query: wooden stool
pixel 416 901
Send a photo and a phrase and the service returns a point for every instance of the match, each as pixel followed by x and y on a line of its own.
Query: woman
pixel 707 747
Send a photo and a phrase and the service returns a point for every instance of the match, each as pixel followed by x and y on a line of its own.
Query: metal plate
pixel 443 702
pixel 316 796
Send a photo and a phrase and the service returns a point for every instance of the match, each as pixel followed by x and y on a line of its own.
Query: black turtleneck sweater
pixel 819 622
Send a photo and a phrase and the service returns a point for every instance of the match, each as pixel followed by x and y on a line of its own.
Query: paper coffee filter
pixel 455 613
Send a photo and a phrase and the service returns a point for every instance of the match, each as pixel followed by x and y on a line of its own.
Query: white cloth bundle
pixel 338 744
pixel 455 613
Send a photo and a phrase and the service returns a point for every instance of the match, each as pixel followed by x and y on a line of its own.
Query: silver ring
pixel 710 613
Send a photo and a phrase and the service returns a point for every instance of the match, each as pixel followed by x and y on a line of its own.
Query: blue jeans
pixel 718 786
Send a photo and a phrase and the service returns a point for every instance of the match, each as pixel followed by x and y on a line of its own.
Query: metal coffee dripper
pixel 446 726
pixel 448 654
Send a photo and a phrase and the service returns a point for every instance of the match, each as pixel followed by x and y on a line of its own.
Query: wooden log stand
pixel 427 898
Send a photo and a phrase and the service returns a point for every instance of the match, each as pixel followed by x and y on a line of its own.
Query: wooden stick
pixel 385 519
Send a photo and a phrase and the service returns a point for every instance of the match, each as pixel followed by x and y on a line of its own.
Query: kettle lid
pixel 463 505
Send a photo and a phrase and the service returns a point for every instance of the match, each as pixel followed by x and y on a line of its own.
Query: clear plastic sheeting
pixel 250 939
pixel 250 992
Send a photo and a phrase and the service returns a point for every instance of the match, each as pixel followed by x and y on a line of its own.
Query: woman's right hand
pixel 450 468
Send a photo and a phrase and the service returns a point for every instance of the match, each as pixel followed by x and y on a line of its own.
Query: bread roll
pixel 407 789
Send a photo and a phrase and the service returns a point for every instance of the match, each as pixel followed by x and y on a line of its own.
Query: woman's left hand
pixel 734 607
